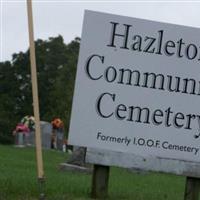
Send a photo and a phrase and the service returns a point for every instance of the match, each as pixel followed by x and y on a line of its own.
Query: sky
pixel 63 17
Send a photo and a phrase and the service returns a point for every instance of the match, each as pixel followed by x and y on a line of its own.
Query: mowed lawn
pixel 18 180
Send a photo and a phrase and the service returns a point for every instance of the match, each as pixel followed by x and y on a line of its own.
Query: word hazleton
pixel 157 43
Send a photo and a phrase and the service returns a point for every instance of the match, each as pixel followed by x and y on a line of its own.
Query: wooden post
pixel 100 181
pixel 35 93
pixel 192 188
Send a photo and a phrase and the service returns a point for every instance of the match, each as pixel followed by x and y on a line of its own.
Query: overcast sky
pixel 65 17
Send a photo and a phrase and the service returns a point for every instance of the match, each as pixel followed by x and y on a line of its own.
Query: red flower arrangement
pixel 57 123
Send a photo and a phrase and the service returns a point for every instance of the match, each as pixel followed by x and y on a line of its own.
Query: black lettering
pixel 149 45
pixel 114 34
pixel 99 104
pixel 87 66
pixel 120 108
pixel 139 111
pixel 136 46
pixel 153 80
pixel 157 113
pixel 169 44
pixel 167 116
pixel 176 85
pixel 165 145
pixel 192 55
pixel 189 117
pixel 185 86
pixel 179 47
pixel 129 77
pixel 113 73
pixel 160 38
pixel 178 116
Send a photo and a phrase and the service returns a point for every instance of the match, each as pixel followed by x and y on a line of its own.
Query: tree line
pixel 56 68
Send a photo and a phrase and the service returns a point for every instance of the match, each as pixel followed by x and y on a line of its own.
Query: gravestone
pixel 46 131
pixel 59 139
pixel 76 161
pixel 20 139
pixel 78 156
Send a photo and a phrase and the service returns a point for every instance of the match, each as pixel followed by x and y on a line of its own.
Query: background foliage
pixel 56 68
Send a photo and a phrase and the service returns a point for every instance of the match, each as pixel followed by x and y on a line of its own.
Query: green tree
pixel 56 68
pixel 8 101
pixel 62 90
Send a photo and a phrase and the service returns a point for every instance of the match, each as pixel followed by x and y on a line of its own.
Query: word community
pixel 133 77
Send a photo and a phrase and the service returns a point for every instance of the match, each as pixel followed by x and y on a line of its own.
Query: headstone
pixel 78 156
pixel 59 139
pixel 31 138
pixel 76 161
pixel 20 139
pixel 46 131
pixel 46 136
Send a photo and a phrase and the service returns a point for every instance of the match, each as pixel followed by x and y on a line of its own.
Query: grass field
pixel 18 180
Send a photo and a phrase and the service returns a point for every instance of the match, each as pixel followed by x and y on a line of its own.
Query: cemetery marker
pixel 138 84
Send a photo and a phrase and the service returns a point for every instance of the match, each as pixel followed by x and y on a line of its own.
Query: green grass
pixel 18 180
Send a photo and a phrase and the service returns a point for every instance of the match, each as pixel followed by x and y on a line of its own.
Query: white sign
pixel 138 88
